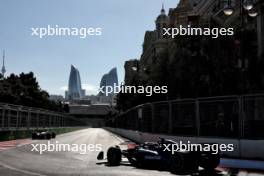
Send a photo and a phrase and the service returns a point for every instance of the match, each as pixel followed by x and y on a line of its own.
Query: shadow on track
pixel 198 173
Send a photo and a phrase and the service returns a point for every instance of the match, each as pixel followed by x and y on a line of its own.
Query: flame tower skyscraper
pixel 75 90
pixel 109 79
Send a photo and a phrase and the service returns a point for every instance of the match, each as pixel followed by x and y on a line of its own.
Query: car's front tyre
pixel 114 156
pixel 209 161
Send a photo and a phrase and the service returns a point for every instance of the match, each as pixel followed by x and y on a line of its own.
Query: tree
pixel 24 90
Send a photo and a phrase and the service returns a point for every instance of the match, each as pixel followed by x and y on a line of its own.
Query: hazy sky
pixel 124 24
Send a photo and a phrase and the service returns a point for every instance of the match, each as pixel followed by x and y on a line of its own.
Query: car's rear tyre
pixel 182 163
pixel 114 156
pixel 53 135
pixel 34 136
pixel 209 161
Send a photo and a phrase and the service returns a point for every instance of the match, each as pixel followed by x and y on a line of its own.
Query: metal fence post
pixel 8 118
pixel 37 120
pixel 28 119
pixel 152 118
pixel 241 116
pixel 170 118
pixel 3 117
pixel 53 121
pixel 60 121
pixel 59 118
pixel 17 119
pixel 20 118
pixel 197 116
pixel 49 120
pixel 139 124
pixel 44 117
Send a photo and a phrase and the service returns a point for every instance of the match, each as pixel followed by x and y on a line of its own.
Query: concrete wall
pixel 248 149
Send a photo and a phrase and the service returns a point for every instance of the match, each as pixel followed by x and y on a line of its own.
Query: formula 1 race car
pixel 154 155
pixel 43 135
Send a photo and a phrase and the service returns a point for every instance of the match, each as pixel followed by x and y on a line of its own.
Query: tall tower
pixel 110 79
pixel 162 21
pixel 75 90
pixel 3 67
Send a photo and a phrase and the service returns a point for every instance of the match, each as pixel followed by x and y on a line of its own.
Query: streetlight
pixel 253 12
pixel 249 6
pixel 228 9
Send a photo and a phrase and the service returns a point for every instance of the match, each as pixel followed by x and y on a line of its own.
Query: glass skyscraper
pixel 75 90
pixel 109 79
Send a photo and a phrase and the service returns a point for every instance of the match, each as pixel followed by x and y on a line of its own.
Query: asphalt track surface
pixel 18 159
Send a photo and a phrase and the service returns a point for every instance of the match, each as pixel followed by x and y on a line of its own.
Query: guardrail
pixel 14 117
pixel 224 117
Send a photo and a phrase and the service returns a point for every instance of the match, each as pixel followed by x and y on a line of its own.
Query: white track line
pixel 20 170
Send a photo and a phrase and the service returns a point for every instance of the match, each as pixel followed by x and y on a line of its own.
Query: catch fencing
pixel 226 116
pixel 14 117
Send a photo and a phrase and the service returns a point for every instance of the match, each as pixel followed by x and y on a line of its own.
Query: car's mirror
pixel 100 156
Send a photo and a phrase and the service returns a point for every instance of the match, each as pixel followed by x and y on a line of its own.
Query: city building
pixel 101 100
pixel 131 69
pixel 179 15
pixel 197 13
pixel 92 109
pixel 75 90
pixel 109 80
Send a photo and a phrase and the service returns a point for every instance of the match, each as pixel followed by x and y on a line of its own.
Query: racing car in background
pixel 153 155
pixel 43 134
